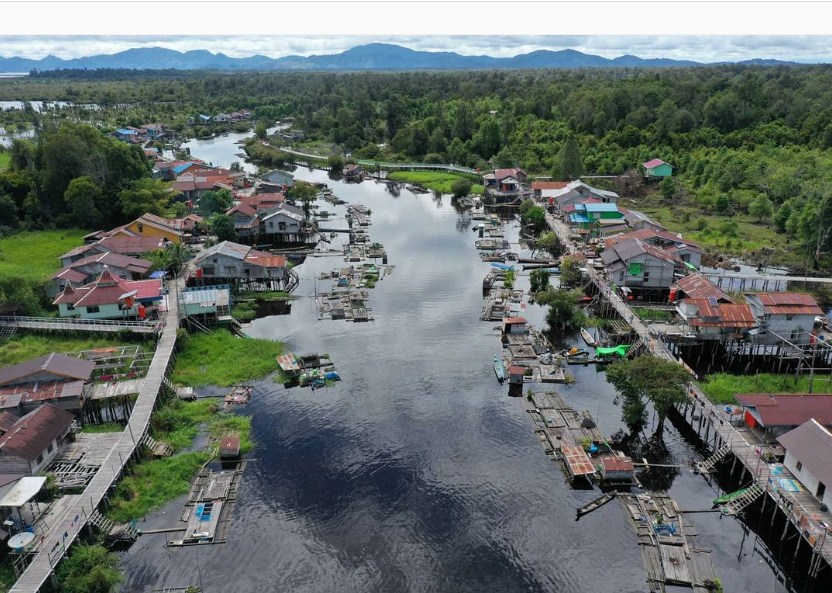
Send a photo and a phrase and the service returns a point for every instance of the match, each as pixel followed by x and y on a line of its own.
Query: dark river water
pixel 417 473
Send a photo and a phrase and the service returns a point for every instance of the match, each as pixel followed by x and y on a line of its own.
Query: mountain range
pixel 374 56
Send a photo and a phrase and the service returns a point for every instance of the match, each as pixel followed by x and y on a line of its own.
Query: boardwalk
pixel 88 325
pixel 801 508
pixel 66 529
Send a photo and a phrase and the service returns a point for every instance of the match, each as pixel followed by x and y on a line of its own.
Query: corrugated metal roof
pixel 595 206
pixel 653 163
pixel 788 409
pixel 715 314
pixel 30 435
pixel 548 184
pixel 811 445
pixel 786 303
pixel 227 248
pixel 63 367
pixel 697 286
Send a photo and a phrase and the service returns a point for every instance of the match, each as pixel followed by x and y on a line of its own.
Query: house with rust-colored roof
pixel 809 457
pixel 88 268
pixel 110 297
pixel 32 442
pixel 709 319
pixel 657 169
pixel 697 286
pixel 773 414
pixel 783 315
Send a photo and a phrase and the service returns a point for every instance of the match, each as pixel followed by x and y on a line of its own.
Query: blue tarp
pixel 158 274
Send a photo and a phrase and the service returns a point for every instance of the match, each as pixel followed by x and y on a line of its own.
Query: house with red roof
pixel 110 297
pixel 697 286
pixel 544 190
pixel 783 315
pixel 131 246
pixel 773 414
pixel 657 169
pixel 709 319
pixel 34 440
pixel 506 186
pixel 88 268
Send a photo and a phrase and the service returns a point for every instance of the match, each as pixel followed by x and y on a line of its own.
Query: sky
pixel 701 48
pixel 705 31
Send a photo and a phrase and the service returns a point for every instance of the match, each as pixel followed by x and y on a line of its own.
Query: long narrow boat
pixel 590 341
pixel 725 498
pixel 499 369
pixel 598 502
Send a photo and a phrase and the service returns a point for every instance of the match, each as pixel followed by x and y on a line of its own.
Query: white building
pixel 789 315
pixel 809 458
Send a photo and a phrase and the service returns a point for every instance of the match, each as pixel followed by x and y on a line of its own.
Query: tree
pixel 564 312
pixel 144 195
pixel 648 379
pixel 8 212
pixel 261 130
pixel 215 201
pixel 305 193
pixel 539 280
pixel 668 188
pixel 569 164
pixel 570 272
pixel 223 227
pixel 549 242
pixel 171 259
pixel 335 162
pixel 89 569
pixel 82 198
pixel 760 207
pixel 461 187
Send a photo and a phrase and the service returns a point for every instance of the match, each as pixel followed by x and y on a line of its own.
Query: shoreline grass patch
pixel 222 359
pixel 30 345
pixel 434 180
pixel 34 255
pixel 721 388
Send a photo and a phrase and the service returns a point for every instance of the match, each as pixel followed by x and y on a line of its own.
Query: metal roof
pixel 788 409
pixel 653 164
pixel 697 286
pixel 63 367
pixel 811 445
pixel 227 248
pixel 786 303
pixel 592 206
pixel 30 435
pixel 22 492
pixel 715 314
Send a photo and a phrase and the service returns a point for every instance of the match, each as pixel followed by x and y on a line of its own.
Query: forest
pixel 749 144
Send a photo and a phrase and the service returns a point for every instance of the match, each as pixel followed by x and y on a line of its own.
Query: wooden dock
pixel 665 537
pixel 209 507
pixel 66 528
pixel 80 325
pixel 563 431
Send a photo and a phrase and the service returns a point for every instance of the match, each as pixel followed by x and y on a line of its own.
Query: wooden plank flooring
pixel 68 528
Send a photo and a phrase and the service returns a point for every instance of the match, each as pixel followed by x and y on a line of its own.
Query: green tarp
pixel 635 268
pixel 617 351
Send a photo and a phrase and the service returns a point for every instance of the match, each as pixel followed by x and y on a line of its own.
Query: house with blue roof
pixel 592 213
pixel 125 134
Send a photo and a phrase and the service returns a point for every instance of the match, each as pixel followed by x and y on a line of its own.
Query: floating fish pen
pixel 491 244
pixel 565 434
pixel 358 215
pixel 348 305
pixel 665 538
pixel 238 396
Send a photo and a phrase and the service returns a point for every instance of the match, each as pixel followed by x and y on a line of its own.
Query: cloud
pixel 703 48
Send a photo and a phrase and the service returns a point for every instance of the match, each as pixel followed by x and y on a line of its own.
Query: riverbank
pixel 434 180
pixel 222 359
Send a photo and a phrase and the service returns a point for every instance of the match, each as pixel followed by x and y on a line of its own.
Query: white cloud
pixel 806 48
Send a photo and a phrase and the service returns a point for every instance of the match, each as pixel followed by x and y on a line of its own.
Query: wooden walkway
pixel 766 277
pixel 88 325
pixel 801 508
pixel 66 529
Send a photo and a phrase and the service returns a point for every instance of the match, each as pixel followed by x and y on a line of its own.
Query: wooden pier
pixel 80 325
pixel 208 510
pixel 665 536
pixel 66 528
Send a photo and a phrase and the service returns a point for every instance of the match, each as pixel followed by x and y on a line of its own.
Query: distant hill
pixel 374 56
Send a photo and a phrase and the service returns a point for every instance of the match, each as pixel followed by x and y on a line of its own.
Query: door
pixel 821 490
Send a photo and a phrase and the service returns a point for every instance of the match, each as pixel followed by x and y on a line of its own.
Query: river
pixel 416 472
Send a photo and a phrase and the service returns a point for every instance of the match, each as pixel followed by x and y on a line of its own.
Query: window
pixel 141 228
pixel 214 260
pixel 208 270
pixel 70 307
pixel 281 226
pixel 49 448
pixel 799 466
pixel 821 490
pixel 646 275
pixel 40 459
pixel 789 317
pixel 94 309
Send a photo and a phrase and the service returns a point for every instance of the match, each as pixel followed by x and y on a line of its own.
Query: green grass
pixel 5 159
pixel 434 180
pixel 7 576
pixel 653 314
pixel 222 359
pixel 34 255
pixel 722 387
pixel 153 484
pixel 24 347
pixel 156 482
pixel 245 304
pixel 106 427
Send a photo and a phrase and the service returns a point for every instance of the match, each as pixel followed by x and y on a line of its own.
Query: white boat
pixel 590 341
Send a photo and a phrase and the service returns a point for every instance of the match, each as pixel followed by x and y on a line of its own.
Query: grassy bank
pixel 722 387
pixel 156 482
pixel 5 159
pixel 434 180
pixel 245 303
pixel 653 314
pixel 23 347
pixel 222 359
pixel 34 255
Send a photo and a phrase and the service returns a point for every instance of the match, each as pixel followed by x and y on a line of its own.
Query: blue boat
pixel 501 266
pixel 499 369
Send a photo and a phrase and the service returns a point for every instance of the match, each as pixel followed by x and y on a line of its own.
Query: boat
pixel 598 502
pixel 500 266
pixel 575 351
pixel 590 341
pixel 728 497
pixel 499 369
